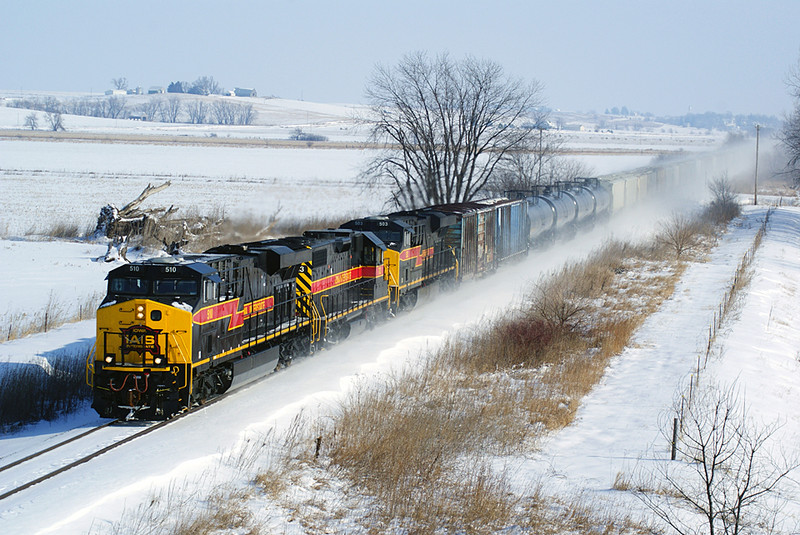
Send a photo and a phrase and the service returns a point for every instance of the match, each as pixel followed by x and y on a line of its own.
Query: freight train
pixel 175 331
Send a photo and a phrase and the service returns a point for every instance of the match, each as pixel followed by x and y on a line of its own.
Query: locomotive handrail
pixel 90 365
pixel 183 352
pixel 396 286
pixel 316 320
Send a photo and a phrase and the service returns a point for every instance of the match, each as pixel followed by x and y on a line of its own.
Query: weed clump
pixel 44 390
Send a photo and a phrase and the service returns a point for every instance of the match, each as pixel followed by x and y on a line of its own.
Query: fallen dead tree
pixel 135 226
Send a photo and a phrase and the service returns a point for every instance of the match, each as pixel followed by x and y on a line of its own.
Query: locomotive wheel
pixel 409 300
pixel 286 355
pixel 338 332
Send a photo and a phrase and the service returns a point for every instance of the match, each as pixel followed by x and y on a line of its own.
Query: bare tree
pixel 524 170
pixel 32 121
pixel 52 105
pixel 152 108
pixel 223 112
pixel 680 233
pixel 724 205
pixel 447 126
pixel 114 107
pixel 790 135
pixel 171 109
pixel 245 114
pixel 80 106
pixel 728 469
pixel 98 108
pixel 197 111
pixel 205 85
pixel 55 121
pixel 559 303
pixel 120 83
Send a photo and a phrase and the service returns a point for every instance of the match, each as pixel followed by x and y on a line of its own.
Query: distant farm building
pixel 156 90
pixel 244 92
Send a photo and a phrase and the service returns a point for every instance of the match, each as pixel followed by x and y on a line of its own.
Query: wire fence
pixel 739 281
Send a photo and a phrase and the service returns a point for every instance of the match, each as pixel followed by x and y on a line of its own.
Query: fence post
pixel 674 438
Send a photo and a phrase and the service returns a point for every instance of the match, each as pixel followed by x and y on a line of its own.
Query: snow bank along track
pixel 151 427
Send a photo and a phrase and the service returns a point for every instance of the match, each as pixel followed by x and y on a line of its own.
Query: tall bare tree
pixel 152 108
pixel 790 135
pixel 32 121
pixel 55 120
pixel 446 125
pixel 115 107
pixel 205 85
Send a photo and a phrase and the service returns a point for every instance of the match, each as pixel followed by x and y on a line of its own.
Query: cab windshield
pixel 166 287
pixel 128 286
pixel 174 287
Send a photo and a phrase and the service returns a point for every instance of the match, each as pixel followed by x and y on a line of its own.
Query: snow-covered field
pixel 617 429
pixel 72 181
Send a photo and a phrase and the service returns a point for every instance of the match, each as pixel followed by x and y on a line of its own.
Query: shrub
pixel 724 205
pixel 43 391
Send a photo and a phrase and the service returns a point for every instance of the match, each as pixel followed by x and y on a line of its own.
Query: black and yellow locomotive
pixel 175 331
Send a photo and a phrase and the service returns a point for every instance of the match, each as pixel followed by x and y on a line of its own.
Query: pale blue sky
pixel 666 57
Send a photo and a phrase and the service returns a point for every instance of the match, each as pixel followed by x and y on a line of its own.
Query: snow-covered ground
pixel 100 490
pixel 70 182
pixel 617 431
pixel 617 425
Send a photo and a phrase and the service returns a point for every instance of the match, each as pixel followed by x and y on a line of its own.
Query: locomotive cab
pixel 142 360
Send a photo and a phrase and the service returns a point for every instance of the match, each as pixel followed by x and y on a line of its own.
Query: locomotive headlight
pixel 157 360
pixel 140 312
pixel 109 359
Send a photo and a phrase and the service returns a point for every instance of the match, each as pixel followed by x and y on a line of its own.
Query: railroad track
pixel 56 446
pixel 86 458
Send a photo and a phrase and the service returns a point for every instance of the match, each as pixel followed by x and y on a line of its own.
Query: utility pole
pixel 541 155
pixel 755 187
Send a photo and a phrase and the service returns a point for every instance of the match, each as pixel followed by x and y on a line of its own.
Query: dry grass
pixel 176 511
pixel 47 388
pixel 577 515
pixel 497 390
pixel 55 313
pixel 60 230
